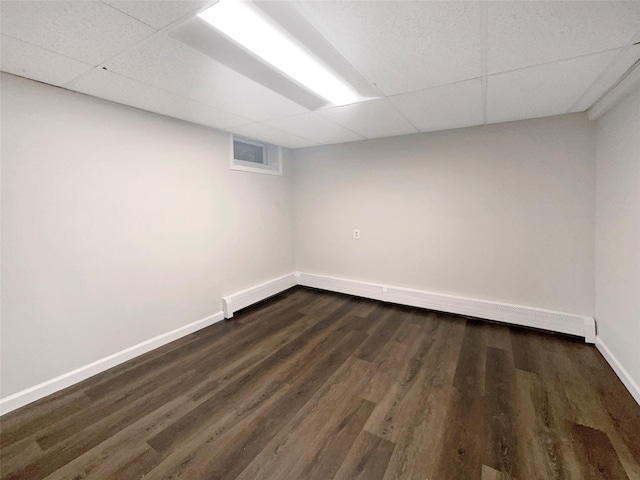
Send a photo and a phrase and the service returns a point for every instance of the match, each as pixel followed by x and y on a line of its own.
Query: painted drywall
pixel 501 212
pixel 617 246
pixel 119 225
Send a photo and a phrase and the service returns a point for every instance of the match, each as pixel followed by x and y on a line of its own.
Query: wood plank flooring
pixel 317 385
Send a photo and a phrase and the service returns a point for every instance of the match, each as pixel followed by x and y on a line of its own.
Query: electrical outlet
pixel 356 234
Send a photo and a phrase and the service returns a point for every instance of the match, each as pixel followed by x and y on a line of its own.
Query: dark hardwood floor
pixel 316 385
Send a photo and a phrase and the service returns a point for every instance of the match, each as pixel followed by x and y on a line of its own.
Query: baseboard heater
pixel 579 325
pixel 522 315
pixel 239 300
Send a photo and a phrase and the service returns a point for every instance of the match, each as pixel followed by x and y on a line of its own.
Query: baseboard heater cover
pixel 551 320
pixel 239 300
pixel 562 322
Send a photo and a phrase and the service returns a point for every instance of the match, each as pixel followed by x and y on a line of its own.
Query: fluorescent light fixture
pixel 245 26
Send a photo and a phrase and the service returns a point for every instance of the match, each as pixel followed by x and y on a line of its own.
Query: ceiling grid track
pixel 620 61
pixel 417 66
pixel 149 39
pixel 484 40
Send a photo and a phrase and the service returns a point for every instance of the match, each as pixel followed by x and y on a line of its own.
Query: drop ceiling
pixel 432 65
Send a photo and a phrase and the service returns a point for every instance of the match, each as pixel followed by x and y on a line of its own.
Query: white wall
pixel 617 246
pixel 501 212
pixel 119 225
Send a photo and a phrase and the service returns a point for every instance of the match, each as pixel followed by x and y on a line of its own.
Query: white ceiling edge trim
pixel 607 78
pixel 627 84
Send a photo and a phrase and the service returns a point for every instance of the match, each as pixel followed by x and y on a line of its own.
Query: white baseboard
pixel 617 367
pixel 502 312
pixel 236 301
pixel 523 315
pixel 65 380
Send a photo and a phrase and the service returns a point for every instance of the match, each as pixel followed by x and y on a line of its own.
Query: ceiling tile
pixel 424 55
pixel 173 66
pixel 315 127
pixel 111 86
pixel 158 13
pixel 371 119
pixel 543 90
pixel 440 108
pixel 523 34
pixel 33 62
pixel 265 133
pixel 402 46
pixel 89 31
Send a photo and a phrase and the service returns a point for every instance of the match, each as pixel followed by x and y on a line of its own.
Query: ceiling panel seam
pixel 46 49
pixel 345 127
pixel 433 87
pixel 630 44
pixel 154 35
pixel 601 75
pixel 278 130
pixel 403 115
pixel 288 133
pixel 484 40
pixel 128 15
pixel 557 61
pixel 325 118
pixel 249 121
